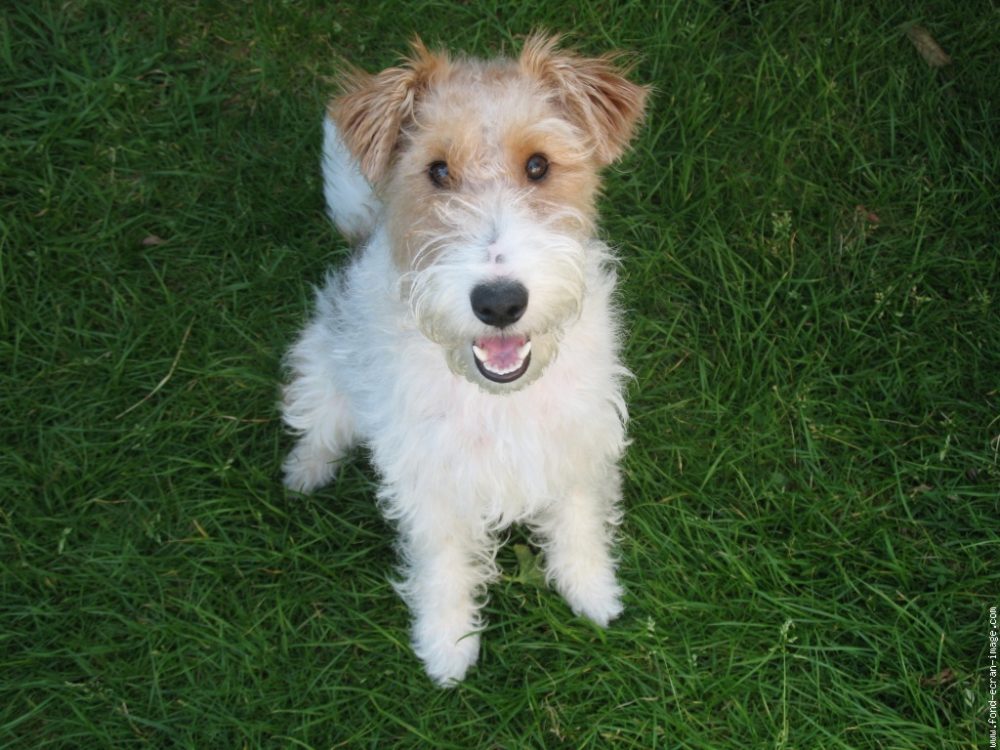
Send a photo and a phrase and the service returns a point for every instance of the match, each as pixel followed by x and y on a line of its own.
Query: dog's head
pixel 489 171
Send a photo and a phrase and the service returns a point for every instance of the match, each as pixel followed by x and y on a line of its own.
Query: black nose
pixel 499 303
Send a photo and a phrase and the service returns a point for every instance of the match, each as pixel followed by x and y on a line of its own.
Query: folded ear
pixel 372 110
pixel 594 92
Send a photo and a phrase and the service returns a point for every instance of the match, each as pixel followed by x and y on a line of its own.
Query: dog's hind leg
pixel 317 454
pixel 319 414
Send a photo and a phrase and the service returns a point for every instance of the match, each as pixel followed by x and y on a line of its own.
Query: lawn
pixel 808 229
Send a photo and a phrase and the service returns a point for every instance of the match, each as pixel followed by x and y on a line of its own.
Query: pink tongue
pixel 501 350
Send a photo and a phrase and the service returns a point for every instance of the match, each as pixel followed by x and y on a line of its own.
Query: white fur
pixel 385 362
pixel 350 201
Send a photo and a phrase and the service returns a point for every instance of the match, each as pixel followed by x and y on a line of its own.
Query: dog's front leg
pixel 576 533
pixel 447 566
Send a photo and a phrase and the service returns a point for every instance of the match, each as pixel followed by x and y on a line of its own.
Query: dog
pixel 472 342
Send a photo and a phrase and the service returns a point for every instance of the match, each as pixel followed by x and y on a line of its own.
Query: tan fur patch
pixel 594 92
pixel 372 109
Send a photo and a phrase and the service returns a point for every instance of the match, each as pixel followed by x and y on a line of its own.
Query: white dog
pixel 472 343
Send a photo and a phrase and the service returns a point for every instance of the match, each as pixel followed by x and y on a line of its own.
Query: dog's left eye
pixel 536 167
pixel 438 172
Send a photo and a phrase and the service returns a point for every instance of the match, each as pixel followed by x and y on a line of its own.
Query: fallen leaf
pixel 530 568
pixel 928 48
pixel 944 677
pixel 870 216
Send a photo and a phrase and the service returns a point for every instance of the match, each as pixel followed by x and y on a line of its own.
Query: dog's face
pixel 488 172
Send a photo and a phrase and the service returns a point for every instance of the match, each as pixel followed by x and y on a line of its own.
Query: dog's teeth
pixel 484 358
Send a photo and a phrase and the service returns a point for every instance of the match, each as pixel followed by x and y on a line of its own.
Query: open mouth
pixel 502 359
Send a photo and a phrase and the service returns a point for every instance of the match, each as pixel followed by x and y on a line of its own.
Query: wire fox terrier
pixel 472 342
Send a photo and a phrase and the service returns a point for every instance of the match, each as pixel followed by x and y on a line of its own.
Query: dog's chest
pixel 509 454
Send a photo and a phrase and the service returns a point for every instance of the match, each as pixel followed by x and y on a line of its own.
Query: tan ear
pixel 595 93
pixel 372 110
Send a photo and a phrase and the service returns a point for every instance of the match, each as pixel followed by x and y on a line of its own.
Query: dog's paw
pixel 598 597
pixel 448 665
pixel 447 652
pixel 307 469
pixel 600 609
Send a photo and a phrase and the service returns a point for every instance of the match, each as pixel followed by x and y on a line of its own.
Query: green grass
pixel 808 227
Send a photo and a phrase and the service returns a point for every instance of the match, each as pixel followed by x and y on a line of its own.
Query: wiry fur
pixel 387 359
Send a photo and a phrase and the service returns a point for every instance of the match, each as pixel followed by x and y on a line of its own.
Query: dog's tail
pixel 350 200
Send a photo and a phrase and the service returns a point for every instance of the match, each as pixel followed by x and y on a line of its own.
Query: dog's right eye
pixel 536 167
pixel 438 172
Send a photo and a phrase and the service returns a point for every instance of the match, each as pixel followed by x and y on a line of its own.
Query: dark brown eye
pixel 438 172
pixel 536 167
